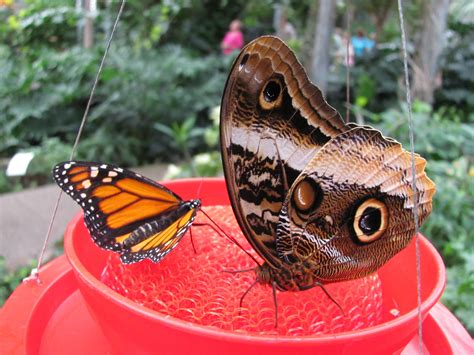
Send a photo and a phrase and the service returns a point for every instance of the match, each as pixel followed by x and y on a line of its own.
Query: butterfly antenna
pixel 199 187
pixel 232 239
pixel 330 297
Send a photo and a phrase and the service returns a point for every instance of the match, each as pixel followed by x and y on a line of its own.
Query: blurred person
pixel 362 44
pixel 233 39
pixel 346 54
pixel 286 31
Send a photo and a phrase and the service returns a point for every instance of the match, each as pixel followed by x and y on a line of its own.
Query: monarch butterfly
pixel 126 212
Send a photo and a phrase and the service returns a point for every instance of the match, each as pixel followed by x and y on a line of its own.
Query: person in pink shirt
pixel 233 39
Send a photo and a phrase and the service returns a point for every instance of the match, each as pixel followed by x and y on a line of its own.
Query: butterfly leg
pixel 245 294
pixel 192 240
pixel 232 239
pixel 275 302
pixel 328 295
pixel 218 231
pixel 239 271
pixel 200 225
pixel 203 225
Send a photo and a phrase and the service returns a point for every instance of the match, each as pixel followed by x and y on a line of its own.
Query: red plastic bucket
pixel 132 328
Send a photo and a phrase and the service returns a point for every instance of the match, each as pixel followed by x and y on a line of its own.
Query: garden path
pixel 25 215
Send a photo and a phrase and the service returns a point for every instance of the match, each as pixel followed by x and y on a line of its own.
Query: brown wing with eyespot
pixel 351 209
pixel 273 120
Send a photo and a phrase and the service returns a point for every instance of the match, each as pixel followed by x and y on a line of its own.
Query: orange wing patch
pixel 117 202
pixel 104 191
pixel 77 170
pixel 80 177
pixel 146 190
pixel 138 211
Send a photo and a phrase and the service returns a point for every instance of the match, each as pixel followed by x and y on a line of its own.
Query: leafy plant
pixel 9 280
pixel 46 98
pixel 458 73
pixel 40 22
pixel 204 164
pixel 448 146
pixel 182 136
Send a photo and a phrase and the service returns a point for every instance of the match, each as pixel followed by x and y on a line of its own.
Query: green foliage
pixel 182 136
pixel 144 92
pixel 42 97
pixel 49 153
pixel 8 185
pixel 40 21
pixel 148 21
pixel 458 71
pixel 448 146
pixel 46 98
pixel 9 280
pixel 374 81
pixel 204 164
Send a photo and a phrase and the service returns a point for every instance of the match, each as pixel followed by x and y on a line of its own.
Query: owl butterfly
pixel 126 212
pixel 319 200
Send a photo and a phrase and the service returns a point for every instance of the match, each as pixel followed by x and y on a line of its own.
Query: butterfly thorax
pixel 294 277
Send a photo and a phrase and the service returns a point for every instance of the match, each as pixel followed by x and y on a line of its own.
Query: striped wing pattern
pixel 124 211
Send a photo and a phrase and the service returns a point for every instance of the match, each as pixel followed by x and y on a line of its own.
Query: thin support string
pixel 35 272
pixel 348 69
pixel 413 171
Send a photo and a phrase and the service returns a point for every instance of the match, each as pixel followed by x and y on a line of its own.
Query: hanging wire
pixel 348 69
pixel 413 172
pixel 35 272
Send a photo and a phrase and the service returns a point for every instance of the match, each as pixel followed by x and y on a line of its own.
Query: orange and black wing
pixel 124 211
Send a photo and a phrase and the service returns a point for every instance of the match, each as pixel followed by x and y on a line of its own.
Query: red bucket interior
pixel 192 287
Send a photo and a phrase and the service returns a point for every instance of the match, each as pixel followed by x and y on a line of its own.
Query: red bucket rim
pixel 374 331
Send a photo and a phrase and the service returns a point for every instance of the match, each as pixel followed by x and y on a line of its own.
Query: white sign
pixel 18 164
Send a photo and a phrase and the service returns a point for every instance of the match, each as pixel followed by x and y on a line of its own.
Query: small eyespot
pixel 243 61
pixel 370 220
pixel 307 195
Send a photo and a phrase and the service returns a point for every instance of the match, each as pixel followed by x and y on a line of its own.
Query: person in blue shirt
pixel 362 44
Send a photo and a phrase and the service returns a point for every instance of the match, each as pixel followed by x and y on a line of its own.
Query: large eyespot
pixel 370 220
pixel 307 195
pixel 243 61
pixel 271 95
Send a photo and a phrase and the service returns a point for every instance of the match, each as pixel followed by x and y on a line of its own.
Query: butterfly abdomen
pixel 156 226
